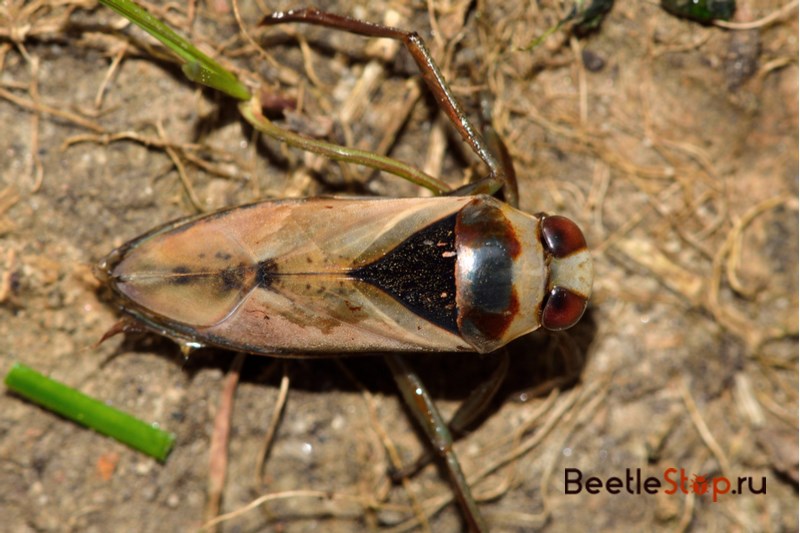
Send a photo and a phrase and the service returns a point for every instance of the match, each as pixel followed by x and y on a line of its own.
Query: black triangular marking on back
pixel 420 273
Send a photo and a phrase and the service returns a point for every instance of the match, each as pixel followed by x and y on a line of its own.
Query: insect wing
pixel 284 277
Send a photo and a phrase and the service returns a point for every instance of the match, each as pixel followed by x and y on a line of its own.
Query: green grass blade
pixel 89 412
pixel 198 67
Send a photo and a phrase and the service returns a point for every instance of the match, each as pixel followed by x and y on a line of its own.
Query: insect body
pixel 333 275
pixel 330 276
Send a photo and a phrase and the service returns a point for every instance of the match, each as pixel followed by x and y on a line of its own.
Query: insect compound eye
pixel 561 236
pixel 562 309
pixel 570 273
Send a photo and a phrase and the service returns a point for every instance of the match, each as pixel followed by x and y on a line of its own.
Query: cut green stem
pixel 89 412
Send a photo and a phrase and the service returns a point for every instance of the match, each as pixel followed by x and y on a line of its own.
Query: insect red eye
pixel 562 309
pixel 561 236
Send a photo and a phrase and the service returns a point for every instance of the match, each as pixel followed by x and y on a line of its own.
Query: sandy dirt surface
pixel 674 145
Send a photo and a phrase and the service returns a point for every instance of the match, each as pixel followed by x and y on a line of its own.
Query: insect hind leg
pixel 470 410
pixel 430 73
pixel 430 420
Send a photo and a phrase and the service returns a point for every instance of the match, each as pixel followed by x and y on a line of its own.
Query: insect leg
pixel 498 148
pixel 478 400
pixel 470 409
pixel 427 415
pixel 251 111
pixel 430 73
pixel 486 185
pixel 490 184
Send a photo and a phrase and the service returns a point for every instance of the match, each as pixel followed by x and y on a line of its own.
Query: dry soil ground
pixel 674 145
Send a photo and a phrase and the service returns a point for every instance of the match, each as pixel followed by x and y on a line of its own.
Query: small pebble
pixel 592 62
